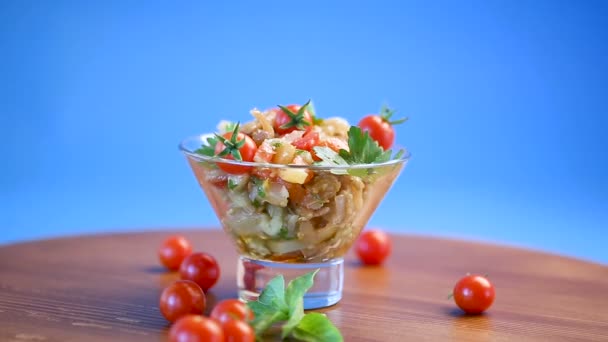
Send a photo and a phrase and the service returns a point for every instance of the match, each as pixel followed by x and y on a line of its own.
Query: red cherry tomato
pixel 282 119
pixel 379 129
pixel 247 151
pixel 311 139
pixel 373 246
pixel 231 309
pixel 474 294
pixel 195 328
pixel 202 269
pixel 307 141
pixel 182 298
pixel 173 251
pixel 238 331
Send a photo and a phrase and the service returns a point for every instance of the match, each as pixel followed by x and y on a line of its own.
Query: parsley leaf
pixel 330 156
pixel 279 304
pixel 232 184
pixel 208 149
pixel 363 149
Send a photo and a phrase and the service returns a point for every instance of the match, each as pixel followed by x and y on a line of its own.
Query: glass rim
pixel 202 139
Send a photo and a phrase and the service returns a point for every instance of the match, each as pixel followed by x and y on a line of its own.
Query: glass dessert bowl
pixel 291 219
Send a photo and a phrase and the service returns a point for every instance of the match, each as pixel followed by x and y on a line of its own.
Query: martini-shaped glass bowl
pixel 291 219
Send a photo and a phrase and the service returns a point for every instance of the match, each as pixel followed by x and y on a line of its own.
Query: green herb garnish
pixel 261 191
pixel 209 149
pixel 284 233
pixel 232 184
pixel 363 150
pixel 279 304
pixel 297 120
pixel 260 186
pixel 230 126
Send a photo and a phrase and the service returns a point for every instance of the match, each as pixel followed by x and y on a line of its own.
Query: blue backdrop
pixel 507 100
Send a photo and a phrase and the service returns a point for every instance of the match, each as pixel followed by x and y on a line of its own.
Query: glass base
pixel 252 276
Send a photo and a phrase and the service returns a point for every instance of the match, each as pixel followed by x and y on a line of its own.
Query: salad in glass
pixel 294 190
pixel 292 187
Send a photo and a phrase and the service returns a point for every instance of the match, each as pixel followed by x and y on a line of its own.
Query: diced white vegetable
pixel 239 200
pixel 264 122
pixel 284 153
pixel 257 246
pixel 276 194
pixel 335 127
pixel 297 176
pixel 293 136
pixel 284 246
pixel 291 222
pixel 277 215
pixel 237 182
pixel 266 151
pixel 306 156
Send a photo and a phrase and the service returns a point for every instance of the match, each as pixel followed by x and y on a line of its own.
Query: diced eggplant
pixel 285 246
pixel 244 223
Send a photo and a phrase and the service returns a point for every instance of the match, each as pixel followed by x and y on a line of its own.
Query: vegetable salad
pixel 307 187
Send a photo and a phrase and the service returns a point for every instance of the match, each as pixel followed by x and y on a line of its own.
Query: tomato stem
pixel 297 119
pixel 232 145
pixel 386 113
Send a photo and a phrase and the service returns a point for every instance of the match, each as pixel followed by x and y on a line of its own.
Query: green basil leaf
pixel 316 327
pixel 274 294
pixel 265 316
pixel 298 287
pixel 296 313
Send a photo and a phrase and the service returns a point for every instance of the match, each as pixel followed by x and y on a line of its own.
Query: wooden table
pixel 106 288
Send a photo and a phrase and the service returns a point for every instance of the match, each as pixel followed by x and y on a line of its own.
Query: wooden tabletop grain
pixel 106 287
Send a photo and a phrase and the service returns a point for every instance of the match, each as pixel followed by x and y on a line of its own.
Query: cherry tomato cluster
pixel 184 302
pixel 201 268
